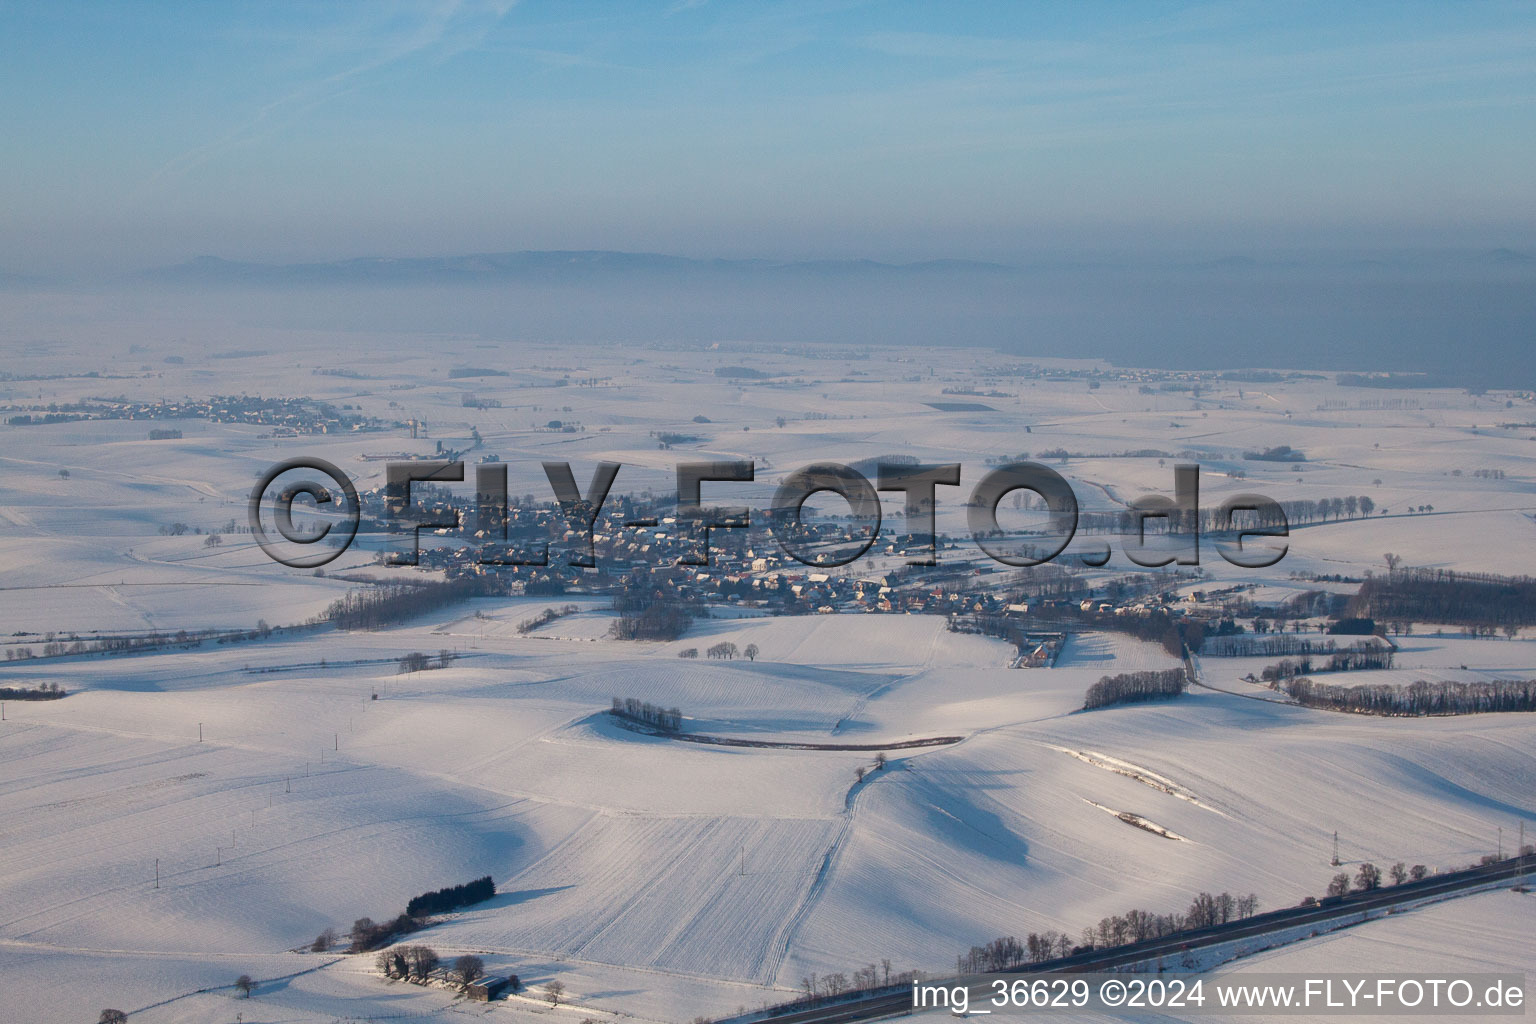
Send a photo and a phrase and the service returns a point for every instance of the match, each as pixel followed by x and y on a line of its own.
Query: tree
pixel 467 969
pixel 1418 872
pixel 1399 873
pixel 112 1017
pixel 245 985
pixel 1368 878
pixel 1339 885
pixel 880 761
pixel 751 652
pixel 858 773
pixel 554 991
pixel 422 961
pixel 324 941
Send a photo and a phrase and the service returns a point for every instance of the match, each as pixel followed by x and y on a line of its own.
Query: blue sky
pixel 144 133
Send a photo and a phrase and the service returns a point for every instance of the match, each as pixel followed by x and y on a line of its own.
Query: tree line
pixel 393 603
pixel 47 691
pixel 1424 697
pixel 451 897
pixel 1440 595
pixel 1132 687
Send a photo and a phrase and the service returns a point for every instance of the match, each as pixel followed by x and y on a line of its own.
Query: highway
pixel 893 1001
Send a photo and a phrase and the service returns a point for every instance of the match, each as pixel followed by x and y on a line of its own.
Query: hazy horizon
pixel 896 132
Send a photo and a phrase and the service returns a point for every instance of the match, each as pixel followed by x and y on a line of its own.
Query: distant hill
pixel 527 265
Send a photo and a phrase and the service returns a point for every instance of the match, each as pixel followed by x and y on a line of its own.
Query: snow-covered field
pixel 656 879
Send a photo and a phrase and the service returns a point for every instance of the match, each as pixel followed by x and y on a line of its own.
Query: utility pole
pixel 1335 861
pixel 1501 842
pixel 216 859
pixel 157 872
pixel 199 732
pixel 743 859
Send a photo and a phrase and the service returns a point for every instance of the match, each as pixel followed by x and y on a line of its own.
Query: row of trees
pixel 451 897
pixel 1353 660
pixel 828 986
pixel 1369 878
pixel 665 719
pixel 1131 687
pixel 1439 697
pixel 545 617
pixel 1205 910
pixel 1250 645
pixel 729 651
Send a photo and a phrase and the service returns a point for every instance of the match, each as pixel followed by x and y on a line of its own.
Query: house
pixel 484 990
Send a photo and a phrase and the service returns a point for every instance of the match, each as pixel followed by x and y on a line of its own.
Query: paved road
pixel 890 1003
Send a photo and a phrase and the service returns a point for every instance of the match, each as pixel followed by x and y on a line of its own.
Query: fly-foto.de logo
pixel 1154 530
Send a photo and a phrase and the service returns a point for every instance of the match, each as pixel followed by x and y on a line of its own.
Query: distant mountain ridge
pixel 526 264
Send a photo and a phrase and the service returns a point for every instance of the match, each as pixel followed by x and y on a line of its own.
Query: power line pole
pixel 157 872
pixel 199 732
pixel 1335 861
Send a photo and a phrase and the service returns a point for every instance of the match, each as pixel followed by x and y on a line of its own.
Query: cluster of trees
pixel 666 719
pixel 408 963
pixel 1205 910
pixel 1440 595
pixel 1440 697
pixel 451 898
pixel 387 605
pixel 545 617
pixel 1130 687
pixel 416 661
pixel 47 691
pixel 663 620
pixel 368 934
pixel 1369 877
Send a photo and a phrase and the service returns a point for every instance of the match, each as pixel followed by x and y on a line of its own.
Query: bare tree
pixel 1399 873
pixel 1339 885
pixel 1418 872
pixel 112 1017
pixel 750 651
pixel 553 992
pixel 880 761
pixel 468 969
pixel 1368 878
pixel 245 984
pixel 324 941
pixel 858 773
